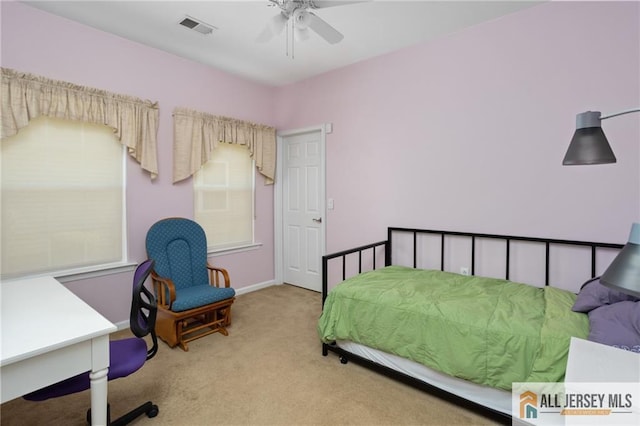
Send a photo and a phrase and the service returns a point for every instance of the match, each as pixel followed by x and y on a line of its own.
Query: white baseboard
pixel 258 286
pixel 122 325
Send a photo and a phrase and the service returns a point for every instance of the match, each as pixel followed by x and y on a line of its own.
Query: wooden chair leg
pixel 225 315
pixel 180 326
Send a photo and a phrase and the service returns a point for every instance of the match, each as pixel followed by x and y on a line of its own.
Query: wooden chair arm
pixel 160 286
pixel 215 275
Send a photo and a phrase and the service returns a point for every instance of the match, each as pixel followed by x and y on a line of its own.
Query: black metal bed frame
pixel 346 356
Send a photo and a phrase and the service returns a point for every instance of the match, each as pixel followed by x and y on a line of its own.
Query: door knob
pixel 318 219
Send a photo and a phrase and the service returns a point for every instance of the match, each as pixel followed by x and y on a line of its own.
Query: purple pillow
pixel 616 325
pixel 592 295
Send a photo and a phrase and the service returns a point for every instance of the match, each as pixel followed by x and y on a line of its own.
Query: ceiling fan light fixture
pixel 301 19
pixel 302 34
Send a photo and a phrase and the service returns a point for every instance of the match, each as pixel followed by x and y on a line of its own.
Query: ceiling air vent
pixel 199 26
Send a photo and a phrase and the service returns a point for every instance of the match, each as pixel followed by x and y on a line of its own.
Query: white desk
pixel 49 334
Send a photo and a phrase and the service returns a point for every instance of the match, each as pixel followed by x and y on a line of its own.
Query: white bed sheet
pixel 496 399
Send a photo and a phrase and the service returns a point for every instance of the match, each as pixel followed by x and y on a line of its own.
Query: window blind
pixel 224 197
pixel 62 197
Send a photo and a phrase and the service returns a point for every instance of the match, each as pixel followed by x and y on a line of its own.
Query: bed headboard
pixel 433 249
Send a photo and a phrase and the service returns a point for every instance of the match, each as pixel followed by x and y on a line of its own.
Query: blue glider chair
pixel 194 298
pixel 125 356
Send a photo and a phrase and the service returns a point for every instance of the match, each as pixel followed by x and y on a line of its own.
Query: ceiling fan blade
pixel 324 30
pixel 273 28
pixel 320 4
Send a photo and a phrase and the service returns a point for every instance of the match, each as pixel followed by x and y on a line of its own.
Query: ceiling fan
pixel 302 20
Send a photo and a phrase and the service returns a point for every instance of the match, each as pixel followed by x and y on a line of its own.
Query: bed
pixel 450 313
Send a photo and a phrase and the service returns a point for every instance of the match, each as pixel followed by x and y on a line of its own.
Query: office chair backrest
pixel 179 248
pixel 144 308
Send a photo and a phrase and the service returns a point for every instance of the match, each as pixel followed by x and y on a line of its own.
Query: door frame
pixel 278 206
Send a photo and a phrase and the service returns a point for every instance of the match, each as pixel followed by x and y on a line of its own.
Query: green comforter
pixel 489 331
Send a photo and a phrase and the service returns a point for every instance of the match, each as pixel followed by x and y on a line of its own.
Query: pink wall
pixel 468 132
pixel 464 133
pixel 61 49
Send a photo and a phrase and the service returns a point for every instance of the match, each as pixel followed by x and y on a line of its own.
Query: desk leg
pixel 99 381
pixel 99 397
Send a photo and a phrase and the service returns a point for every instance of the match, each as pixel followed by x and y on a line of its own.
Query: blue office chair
pixel 125 356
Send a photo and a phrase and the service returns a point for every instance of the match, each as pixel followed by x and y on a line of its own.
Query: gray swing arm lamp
pixel 589 144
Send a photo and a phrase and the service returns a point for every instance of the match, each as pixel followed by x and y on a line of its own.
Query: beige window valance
pixel 135 121
pixel 197 134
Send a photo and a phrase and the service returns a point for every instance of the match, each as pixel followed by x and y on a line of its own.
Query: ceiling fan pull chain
pixel 286 39
pixel 293 37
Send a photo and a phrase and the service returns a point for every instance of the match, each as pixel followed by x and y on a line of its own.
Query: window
pixel 223 196
pixel 62 197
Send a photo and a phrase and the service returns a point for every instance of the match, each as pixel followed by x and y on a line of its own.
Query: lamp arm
pixel 615 114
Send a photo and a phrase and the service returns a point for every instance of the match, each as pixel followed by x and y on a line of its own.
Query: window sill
pixel 230 250
pixel 79 274
pixel 93 271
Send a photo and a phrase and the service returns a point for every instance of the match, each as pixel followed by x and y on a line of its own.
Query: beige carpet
pixel 268 371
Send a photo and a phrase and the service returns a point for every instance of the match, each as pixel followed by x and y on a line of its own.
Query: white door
pixel 303 226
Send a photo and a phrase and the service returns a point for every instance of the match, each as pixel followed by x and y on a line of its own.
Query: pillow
pixel 616 325
pixel 592 295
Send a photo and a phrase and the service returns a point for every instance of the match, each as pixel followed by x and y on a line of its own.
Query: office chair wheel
pixel 153 411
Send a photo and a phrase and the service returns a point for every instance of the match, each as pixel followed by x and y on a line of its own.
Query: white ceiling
pixel 370 28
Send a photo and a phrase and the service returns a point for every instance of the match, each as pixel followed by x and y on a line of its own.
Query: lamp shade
pixel 624 272
pixel 589 145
